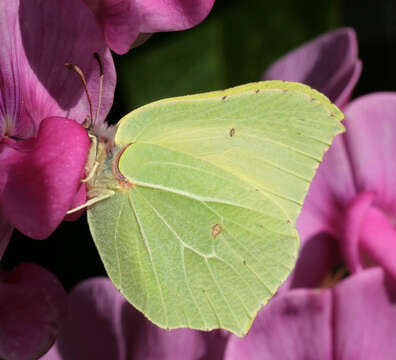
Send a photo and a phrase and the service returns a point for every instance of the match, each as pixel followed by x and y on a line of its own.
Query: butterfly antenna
pixel 97 57
pixel 79 72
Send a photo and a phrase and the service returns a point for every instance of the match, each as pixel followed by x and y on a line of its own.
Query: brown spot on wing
pixel 216 230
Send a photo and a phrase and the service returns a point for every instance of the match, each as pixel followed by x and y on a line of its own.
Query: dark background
pixel 234 45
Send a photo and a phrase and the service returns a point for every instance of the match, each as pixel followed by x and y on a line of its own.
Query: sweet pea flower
pixel 43 147
pixel 354 173
pixel 329 64
pixel 33 305
pixel 127 23
pixel 354 320
pixel 101 324
pixel 350 210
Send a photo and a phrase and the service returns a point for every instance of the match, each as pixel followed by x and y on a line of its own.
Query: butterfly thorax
pixel 102 172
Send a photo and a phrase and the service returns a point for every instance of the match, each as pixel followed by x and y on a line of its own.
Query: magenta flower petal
pixel 69 33
pixel 365 317
pixel 332 187
pixel 354 218
pixel 171 15
pixel 341 92
pixel 370 147
pixel 32 305
pixel 352 196
pixel 43 181
pixel 371 123
pixel 354 320
pixel 378 240
pixel 93 327
pixel 5 234
pixel 123 21
pixel 79 199
pixel 10 92
pixel 294 326
pixel 147 341
pixel 34 82
pixel 359 160
pixel 102 325
pixel 52 354
pixel 119 20
pixel 328 63
pixel 318 255
pixel 142 38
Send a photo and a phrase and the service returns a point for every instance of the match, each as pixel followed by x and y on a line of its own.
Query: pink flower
pixel 102 325
pixel 329 64
pixel 350 209
pixel 354 320
pixel 127 23
pixel 43 148
pixel 32 307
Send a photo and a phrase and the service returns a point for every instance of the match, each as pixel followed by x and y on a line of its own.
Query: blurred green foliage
pixel 234 45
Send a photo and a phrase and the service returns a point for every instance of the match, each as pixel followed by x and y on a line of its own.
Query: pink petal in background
pixel 294 326
pixel 102 325
pixel 119 20
pixel 365 317
pixel 371 125
pixel 171 15
pixel 354 320
pixel 5 234
pixel 319 254
pixel 328 63
pixel 125 22
pixel 33 304
pixel 352 196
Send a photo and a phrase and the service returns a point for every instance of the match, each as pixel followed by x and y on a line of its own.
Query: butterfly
pixel 194 201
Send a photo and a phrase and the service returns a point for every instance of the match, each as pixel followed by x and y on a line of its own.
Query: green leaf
pixel 200 232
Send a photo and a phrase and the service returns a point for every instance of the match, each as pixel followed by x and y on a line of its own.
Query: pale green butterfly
pixel 200 196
